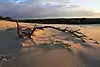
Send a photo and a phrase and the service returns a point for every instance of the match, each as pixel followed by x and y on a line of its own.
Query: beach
pixel 80 55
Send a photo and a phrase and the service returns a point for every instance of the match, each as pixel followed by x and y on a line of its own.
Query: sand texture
pixel 45 54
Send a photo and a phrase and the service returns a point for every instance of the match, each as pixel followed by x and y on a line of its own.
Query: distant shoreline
pixel 75 21
pixel 64 21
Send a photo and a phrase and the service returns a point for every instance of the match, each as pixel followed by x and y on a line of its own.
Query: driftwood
pixel 42 28
pixel 81 36
pixel 67 29
pixel 74 32
pixel 67 45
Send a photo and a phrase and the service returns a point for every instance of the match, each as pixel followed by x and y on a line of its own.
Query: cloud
pixel 43 9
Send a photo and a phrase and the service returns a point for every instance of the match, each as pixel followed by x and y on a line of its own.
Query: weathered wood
pixel 42 28
pixel 72 31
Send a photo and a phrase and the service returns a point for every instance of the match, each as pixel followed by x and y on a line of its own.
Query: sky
pixel 31 9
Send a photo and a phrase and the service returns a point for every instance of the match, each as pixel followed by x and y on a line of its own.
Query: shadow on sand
pixel 46 48
pixel 86 45
pixel 9 43
pixel 87 60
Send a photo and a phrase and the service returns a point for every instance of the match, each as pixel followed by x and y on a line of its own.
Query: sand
pixel 45 55
pixel 92 32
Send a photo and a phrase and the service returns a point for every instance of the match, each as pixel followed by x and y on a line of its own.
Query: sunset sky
pixel 26 9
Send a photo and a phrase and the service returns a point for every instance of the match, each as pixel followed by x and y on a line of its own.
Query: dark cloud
pixel 42 9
